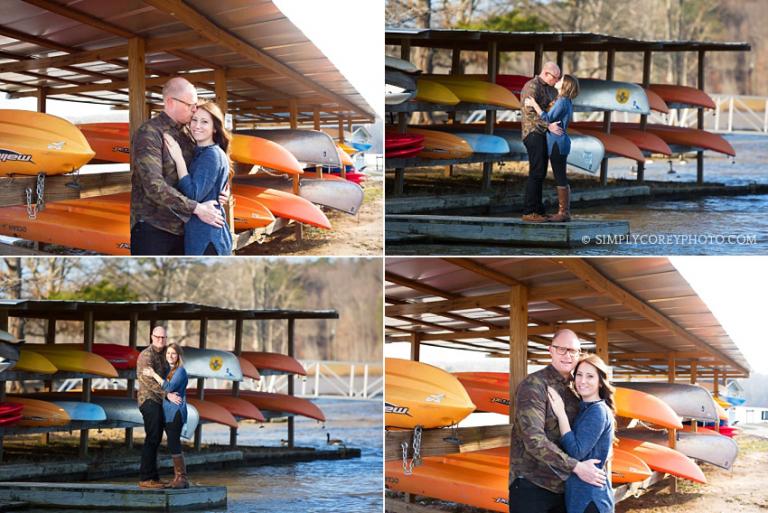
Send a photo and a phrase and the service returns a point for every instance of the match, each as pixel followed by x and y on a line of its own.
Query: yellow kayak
pixel 30 361
pixel 349 150
pixel 67 359
pixel 472 90
pixel 434 92
pixel 442 145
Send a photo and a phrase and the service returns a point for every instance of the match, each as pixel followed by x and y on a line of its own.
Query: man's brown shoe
pixel 534 218
pixel 151 483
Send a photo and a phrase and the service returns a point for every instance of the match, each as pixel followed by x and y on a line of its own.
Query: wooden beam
pixel 41 96
pixel 416 347
pixel 694 370
pixel 678 355
pixel 518 342
pixel 62 187
pixel 602 340
pixel 220 85
pixel 437 442
pixel 596 280
pixel 483 270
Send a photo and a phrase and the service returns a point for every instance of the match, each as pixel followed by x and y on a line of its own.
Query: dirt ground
pixel 359 235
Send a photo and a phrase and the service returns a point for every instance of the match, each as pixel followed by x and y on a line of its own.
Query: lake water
pixel 725 225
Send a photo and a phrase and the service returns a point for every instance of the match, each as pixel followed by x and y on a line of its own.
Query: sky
pixel 349 32
pixel 732 288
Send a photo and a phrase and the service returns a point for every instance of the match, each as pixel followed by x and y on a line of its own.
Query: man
pixel 534 133
pixel 538 468
pixel 158 210
pixel 150 398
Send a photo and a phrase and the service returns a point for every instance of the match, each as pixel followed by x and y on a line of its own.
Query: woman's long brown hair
pixel 221 135
pixel 179 362
pixel 605 390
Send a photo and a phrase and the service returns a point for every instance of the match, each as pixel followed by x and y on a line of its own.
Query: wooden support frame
pixel 518 342
pixel 647 60
pixel 236 384
pixel 607 115
pixel 89 329
pixel 201 381
pixel 490 115
pixel 291 352
pixel 700 118
pixel 136 76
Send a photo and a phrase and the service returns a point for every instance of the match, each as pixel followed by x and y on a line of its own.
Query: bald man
pixel 540 88
pixel 538 467
pixel 159 210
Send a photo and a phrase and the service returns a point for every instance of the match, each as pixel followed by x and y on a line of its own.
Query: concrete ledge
pixel 433 204
pixel 500 230
pixel 111 496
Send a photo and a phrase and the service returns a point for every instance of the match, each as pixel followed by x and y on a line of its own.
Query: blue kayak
pixel 82 411
pixel 485 143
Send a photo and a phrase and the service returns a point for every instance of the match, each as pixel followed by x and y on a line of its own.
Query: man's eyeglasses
pixel 192 106
pixel 562 350
pixel 160 337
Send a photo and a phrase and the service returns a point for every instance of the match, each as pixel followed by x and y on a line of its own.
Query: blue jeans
pixel 150 241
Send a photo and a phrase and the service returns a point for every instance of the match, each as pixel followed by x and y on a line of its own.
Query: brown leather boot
pixel 179 472
pixel 534 218
pixel 564 210
pixel 151 483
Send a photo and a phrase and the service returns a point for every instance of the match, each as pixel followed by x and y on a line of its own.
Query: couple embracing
pixel 562 434
pixel 180 173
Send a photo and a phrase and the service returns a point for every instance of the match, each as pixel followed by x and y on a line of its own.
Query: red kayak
pixel 680 97
pixel 396 141
pixel 405 152
pixel 121 357
pixel 274 363
pixel 277 405
pixel 6 421
pixel 10 409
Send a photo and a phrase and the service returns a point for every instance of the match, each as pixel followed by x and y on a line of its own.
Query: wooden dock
pixel 79 496
pixel 501 230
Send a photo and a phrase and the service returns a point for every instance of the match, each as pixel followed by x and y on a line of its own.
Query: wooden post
pixel 693 378
pixel 133 339
pixel 560 60
pixel 42 94
pixel 236 384
pixel 293 108
pixel 518 342
pixel 601 340
pixel 643 117
pixel 415 346
pixel 402 126
pixel 136 77
pixel 607 117
pixel 343 169
pixel 700 121
pixel 715 384
pixel 291 326
pixel 50 338
pixel 220 86
pixel 455 70
pixel 88 330
pixel 201 381
pixel 490 115
pixel 538 59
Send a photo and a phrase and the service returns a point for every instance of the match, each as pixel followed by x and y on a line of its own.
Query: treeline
pixel 351 286
pixel 684 20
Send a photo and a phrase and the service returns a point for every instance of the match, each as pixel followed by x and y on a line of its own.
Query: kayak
pixel 249 370
pixel 442 145
pixel 397 141
pixel 212 412
pixel 613 144
pixel 81 411
pixel 30 361
pixel 33 142
pixel 342 195
pixel 270 364
pixel 418 394
pixel 110 141
pixel 688 401
pixel 711 448
pixel 37 413
pixel 248 149
pixel 470 89
pixel 649 143
pixel 72 360
pixel 656 102
pixel 399 79
pixel 663 459
pixel 121 357
pixel 277 405
pixel 211 363
pixel 400 65
pixel 681 97
pixel 10 409
pixel 236 406
pixel 480 142
pixel 307 146
pixel 403 153
pixel 434 92
pixel 287 205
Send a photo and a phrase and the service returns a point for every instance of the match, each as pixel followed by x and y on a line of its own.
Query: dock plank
pixel 502 230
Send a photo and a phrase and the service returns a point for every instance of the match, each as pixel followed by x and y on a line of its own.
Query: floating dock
pixel 79 496
pixel 502 230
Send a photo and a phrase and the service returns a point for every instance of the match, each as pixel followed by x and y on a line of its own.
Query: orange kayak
pixel 274 363
pixel 212 412
pixel 655 102
pixel 73 360
pixel 442 145
pixel 236 406
pixel 247 149
pixel 102 234
pixel 680 97
pixel 663 459
pixel 285 204
pixel 41 413
pixel 646 141
pixel 628 468
pixel 635 404
pixel 277 405
pixel 108 140
pixel 614 144
pixel 33 142
pixel 249 370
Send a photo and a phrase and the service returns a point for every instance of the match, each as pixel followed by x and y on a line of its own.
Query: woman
pixel 592 434
pixel 208 175
pixel 175 414
pixel 558 146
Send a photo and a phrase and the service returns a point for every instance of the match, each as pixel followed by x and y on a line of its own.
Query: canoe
pixel 37 413
pixel 270 364
pixel 236 406
pixel 110 141
pixel 434 92
pixel 346 160
pixel 287 205
pixel 418 394
pixel 71 360
pixel 681 97
pixel 277 405
pixel 121 357
pixel 663 459
pixel 394 95
pixel 30 361
pixel 399 79
pixel 8 338
pixel 711 448
pixel 490 392
pixel 614 145
pixel 10 409
pixel 211 363
pixel 212 412
pixel 688 401
pixel 6 364
pixel 76 230
pixel 656 102
pixel 400 64
pixel 482 143
pixel 78 410
pixel 33 142
pixel 249 369
pixel 471 90
pixel 442 145
pixel 308 146
pixel 340 195
pixel 395 141
pixel 9 351
pixel 126 410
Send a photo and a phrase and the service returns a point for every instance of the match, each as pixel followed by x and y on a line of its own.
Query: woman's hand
pixel 173 148
pixel 556 402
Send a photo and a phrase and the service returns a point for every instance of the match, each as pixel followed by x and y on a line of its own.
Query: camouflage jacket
pixel 148 387
pixel 544 94
pixel 154 197
pixel 534 452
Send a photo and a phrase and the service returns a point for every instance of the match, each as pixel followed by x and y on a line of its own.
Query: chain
pixel 31 209
pixel 408 465
pixel 40 191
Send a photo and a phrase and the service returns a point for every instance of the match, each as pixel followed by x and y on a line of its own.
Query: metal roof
pixel 78 51
pixel 650 311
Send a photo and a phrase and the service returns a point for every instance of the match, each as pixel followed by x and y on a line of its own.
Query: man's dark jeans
pixel 150 241
pixel 153 428
pixel 536 144
pixel 526 497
